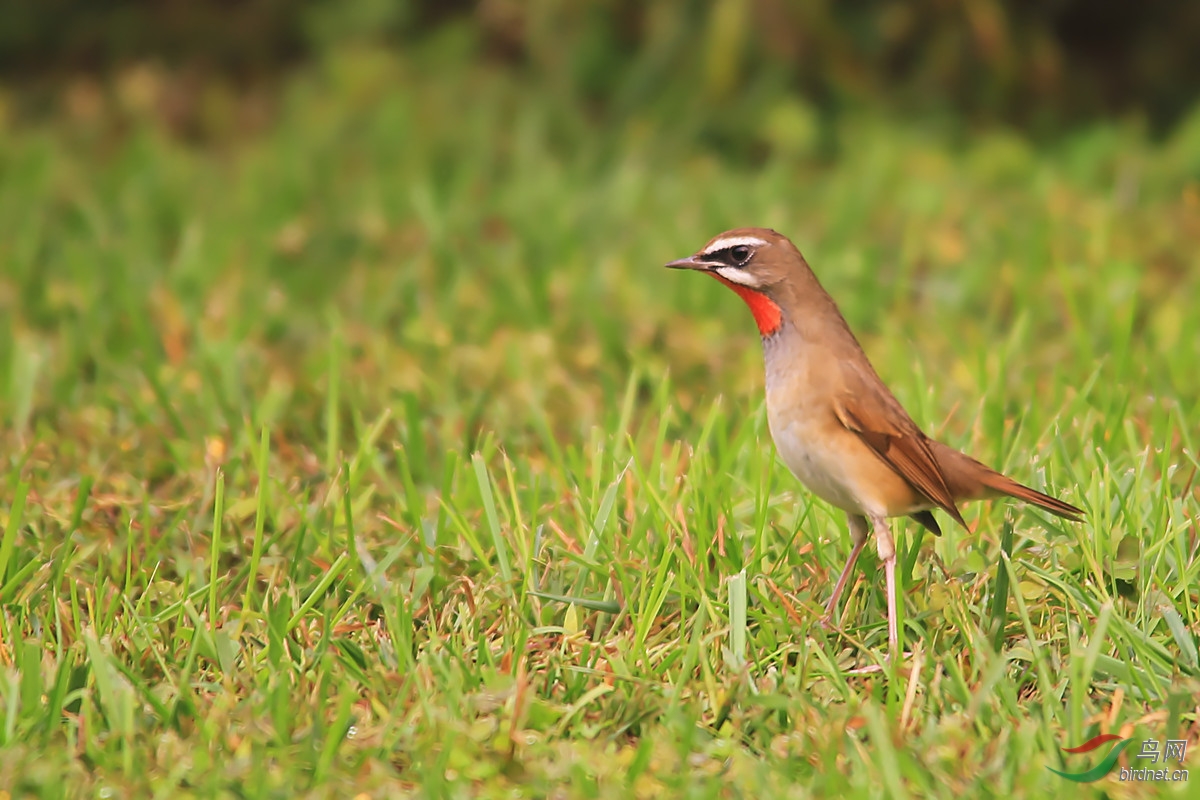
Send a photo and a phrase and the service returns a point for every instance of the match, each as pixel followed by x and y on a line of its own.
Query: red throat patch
pixel 767 315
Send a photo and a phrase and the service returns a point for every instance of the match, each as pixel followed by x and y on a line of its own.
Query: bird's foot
pixel 870 669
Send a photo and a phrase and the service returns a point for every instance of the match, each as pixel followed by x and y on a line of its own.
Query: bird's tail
pixel 1005 485
pixel 968 480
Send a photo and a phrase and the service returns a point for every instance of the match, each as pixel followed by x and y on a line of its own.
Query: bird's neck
pixel 808 318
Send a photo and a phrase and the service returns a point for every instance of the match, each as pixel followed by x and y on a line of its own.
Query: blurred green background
pixel 1042 65
pixel 500 165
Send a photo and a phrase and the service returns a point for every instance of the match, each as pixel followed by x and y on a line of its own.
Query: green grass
pixel 307 436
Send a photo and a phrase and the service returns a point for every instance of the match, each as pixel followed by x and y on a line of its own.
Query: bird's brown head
pixel 754 262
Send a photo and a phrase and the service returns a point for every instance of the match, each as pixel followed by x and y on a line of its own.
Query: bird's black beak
pixel 691 262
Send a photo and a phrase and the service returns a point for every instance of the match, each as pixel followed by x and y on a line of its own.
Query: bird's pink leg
pixel 858 535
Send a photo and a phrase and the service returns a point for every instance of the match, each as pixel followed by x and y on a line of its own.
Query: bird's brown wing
pixel 867 408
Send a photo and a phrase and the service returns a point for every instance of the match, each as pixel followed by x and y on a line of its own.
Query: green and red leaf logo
pixel 1106 764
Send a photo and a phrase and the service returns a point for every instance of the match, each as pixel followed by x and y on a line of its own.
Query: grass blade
pixel 16 514
pixel 489 508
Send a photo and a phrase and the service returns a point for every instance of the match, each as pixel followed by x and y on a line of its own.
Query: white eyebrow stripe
pixel 738 276
pixel 732 241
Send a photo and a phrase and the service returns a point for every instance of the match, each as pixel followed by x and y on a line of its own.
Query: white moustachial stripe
pixel 734 275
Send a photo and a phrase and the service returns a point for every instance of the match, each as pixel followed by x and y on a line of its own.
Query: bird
pixel 835 424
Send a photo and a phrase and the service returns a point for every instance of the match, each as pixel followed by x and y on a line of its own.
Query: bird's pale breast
pixel 830 460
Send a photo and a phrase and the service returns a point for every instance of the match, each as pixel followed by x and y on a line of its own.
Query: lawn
pixel 374 452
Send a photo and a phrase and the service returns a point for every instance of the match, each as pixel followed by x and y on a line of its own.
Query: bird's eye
pixel 741 254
